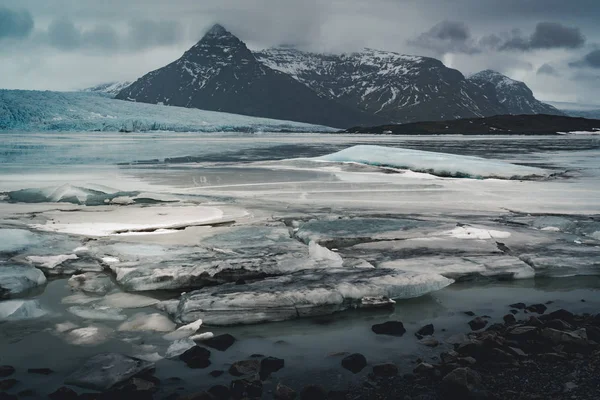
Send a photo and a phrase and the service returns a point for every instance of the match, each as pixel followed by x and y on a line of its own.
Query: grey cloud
pixel 446 37
pixel 146 33
pixel 547 35
pixel 15 24
pixel 590 60
pixel 547 69
pixel 143 34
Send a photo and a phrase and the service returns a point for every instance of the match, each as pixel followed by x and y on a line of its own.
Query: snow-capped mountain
pixel 396 87
pixel 220 73
pixel 109 88
pixel 514 96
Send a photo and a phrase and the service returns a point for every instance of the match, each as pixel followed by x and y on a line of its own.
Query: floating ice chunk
pixel 91 283
pixel 130 220
pixel 202 336
pixel 110 260
pixel 88 336
pixel 79 298
pixel 122 201
pixel 179 347
pixel 99 313
pixel 500 266
pixel 50 262
pixel 469 232
pixel 306 293
pixel 320 253
pixel 168 306
pixel 17 280
pixel 104 371
pixel 128 300
pixel 148 322
pixel 13 310
pixel 440 164
pixel 551 229
pixel 81 249
pixel 151 357
pixel 12 240
pixel 184 331
pixel 65 327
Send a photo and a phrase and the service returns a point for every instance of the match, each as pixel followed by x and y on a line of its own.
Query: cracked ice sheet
pixel 111 221
pixel 222 254
pixel 302 294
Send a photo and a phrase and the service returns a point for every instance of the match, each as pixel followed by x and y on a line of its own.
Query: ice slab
pixel 128 300
pixel 88 336
pixel 91 282
pixel 440 164
pixel 104 371
pixel 179 347
pixel 18 280
pixel 98 313
pixel 12 240
pixel 125 220
pixel 302 294
pixel 340 232
pixel 147 322
pixel 184 331
pixel 14 310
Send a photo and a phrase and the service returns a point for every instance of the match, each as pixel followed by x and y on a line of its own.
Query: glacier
pixel 23 110
pixel 439 164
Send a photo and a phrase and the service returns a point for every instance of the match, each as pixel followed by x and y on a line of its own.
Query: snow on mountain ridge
pixel 398 87
pixel 109 88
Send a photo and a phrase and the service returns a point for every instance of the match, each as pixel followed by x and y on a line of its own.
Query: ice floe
pixel 17 280
pixel 302 294
pixel 14 310
pixel 12 240
pixel 147 322
pixel 179 347
pixel 128 300
pixel 184 331
pixel 91 282
pixel 440 164
pixel 88 336
pixel 98 313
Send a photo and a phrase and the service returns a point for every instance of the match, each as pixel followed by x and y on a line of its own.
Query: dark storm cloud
pixel 446 37
pixel 547 69
pixel 455 37
pixel 15 24
pixel 547 35
pixel 590 60
pixel 63 34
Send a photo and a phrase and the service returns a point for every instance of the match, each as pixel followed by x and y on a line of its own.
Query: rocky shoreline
pixel 534 353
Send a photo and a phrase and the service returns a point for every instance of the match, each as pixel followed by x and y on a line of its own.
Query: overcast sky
pixel 552 45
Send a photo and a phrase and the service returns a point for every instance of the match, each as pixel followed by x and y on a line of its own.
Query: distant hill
pixel 495 125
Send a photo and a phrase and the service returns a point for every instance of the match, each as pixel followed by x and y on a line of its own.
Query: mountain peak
pixel 217 30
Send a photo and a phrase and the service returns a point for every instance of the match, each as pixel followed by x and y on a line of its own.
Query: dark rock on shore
pixel 394 328
pixel 462 382
pixel 245 367
pixel 63 393
pixel 427 330
pixel 6 370
pixel 8 384
pixel 509 319
pixel 478 323
pixel 354 362
pixel 537 308
pixel 220 392
pixel 197 357
pixel 283 392
pixel 313 392
pixel 518 306
pixel 216 373
pixel 469 313
pixel 269 365
pixel 241 388
pixel 221 342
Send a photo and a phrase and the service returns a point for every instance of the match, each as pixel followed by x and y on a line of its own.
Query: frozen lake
pixel 100 232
